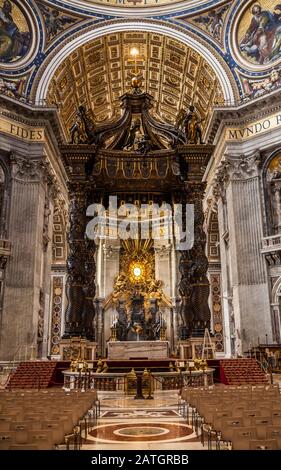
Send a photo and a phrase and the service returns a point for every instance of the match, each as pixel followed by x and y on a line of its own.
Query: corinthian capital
pixel 30 170
pixel 235 168
pixel 242 168
pixel 26 169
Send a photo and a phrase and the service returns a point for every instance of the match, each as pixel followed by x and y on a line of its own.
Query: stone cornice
pixel 32 115
pixel 42 118
pixel 242 114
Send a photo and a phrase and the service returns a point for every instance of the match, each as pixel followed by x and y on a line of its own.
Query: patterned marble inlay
pixel 141 432
pixel 57 294
pixel 215 282
pixel 139 414
pixel 136 431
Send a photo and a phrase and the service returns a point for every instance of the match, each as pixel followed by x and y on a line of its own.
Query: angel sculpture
pixel 83 129
pixel 179 124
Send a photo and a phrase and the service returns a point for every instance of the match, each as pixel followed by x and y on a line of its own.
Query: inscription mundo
pixel 254 128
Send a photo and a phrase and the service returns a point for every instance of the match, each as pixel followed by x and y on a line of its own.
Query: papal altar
pixel 117 350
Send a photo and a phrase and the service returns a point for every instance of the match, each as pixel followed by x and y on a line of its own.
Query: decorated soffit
pixel 100 71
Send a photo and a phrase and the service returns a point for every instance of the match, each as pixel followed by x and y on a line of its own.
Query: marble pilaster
pixel 238 185
pixel 19 328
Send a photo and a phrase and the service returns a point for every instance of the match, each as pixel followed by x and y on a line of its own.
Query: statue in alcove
pixel 153 321
pixel 122 321
pixel 273 179
pixel 136 330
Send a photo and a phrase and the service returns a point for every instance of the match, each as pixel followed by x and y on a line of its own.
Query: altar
pixel 126 350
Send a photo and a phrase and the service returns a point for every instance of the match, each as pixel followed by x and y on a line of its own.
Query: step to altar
pixel 146 350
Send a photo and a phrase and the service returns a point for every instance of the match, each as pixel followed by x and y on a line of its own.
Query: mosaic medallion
pixel 258 33
pixel 18 34
pixel 15 32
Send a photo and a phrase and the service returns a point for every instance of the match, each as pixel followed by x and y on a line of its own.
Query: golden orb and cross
pixel 136 79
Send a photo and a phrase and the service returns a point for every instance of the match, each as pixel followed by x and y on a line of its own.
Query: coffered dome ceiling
pixel 99 72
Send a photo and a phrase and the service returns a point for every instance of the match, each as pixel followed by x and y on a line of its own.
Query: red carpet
pixel 37 374
pixel 241 371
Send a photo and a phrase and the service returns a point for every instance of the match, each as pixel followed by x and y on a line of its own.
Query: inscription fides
pixel 20 131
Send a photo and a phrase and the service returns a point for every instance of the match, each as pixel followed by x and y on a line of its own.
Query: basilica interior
pixel 140 224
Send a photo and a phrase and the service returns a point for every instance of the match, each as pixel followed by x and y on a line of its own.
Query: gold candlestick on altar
pixel 163 333
pixel 113 335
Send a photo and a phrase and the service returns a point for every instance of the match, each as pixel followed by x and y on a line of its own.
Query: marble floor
pixel 129 424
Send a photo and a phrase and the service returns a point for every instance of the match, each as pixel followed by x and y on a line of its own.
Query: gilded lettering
pixel 233 134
